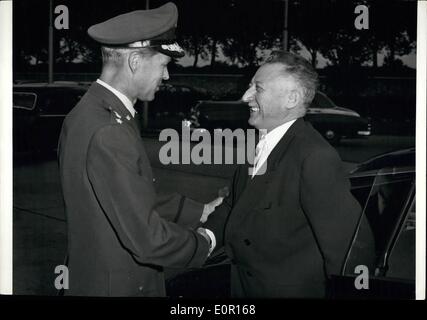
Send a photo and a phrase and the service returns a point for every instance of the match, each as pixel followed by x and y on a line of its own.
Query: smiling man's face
pixel 267 96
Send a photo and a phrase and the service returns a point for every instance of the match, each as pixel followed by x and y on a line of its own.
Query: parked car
pixel 331 121
pixel 38 112
pixel 385 189
pixel 172 105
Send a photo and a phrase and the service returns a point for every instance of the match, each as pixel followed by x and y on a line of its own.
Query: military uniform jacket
pixel 288 230
pixel 120 233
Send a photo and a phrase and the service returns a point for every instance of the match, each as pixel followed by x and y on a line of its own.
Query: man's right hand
pixel 209 208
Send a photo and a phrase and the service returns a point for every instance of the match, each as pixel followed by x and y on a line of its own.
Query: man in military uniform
pixel 120 232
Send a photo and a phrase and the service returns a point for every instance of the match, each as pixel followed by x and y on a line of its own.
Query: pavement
pixel 39 219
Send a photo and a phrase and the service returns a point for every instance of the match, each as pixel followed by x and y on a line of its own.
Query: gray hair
pixel 300 69
pixel 116 56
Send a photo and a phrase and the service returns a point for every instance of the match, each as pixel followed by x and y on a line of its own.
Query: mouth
pixel 253 109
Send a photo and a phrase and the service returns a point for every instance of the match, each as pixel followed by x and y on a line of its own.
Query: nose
pixel 165 74
pixel 248 95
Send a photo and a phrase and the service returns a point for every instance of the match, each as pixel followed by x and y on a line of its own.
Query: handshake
pixel 210 207
pixel 207 210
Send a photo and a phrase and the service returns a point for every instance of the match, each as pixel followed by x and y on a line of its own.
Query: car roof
pixel 57 84
pixel 402 160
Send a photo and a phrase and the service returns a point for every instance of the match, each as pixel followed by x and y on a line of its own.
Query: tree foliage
pixel 235 30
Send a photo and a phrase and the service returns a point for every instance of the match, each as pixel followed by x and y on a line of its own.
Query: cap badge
pixel 172 47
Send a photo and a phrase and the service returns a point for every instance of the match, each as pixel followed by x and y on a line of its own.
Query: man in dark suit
pixel 120 233
pixel 289 220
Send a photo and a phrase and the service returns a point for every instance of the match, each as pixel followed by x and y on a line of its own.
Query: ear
pixel 294 98
pixel 134 61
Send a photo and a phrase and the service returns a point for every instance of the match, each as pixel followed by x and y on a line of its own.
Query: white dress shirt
pixel 213 241
pixel 267 143
pixel 125 100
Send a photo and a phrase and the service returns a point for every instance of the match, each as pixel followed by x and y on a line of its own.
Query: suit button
pixel 247 242
pixel 249 274
pixel 154 179
pixel 141 288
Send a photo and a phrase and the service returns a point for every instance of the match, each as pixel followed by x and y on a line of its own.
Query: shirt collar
pixel 273 137
pixel 125 100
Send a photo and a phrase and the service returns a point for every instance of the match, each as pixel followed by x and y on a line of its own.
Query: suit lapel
pixel 279 152
pixel 256 187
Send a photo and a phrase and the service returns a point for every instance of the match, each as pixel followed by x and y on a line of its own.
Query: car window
pixel 401 262
pixel 387 199
pixel 383 201
pixel 322 101
pixel 24 100
pixel 361 187
pixel 60 101
pixel 173 100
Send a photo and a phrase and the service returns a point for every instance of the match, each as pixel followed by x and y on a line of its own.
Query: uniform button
pixel 140 288
pixel 249 274
pixel 154 179
pixel 247 242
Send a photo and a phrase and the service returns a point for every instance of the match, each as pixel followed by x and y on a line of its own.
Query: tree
pixel 237 30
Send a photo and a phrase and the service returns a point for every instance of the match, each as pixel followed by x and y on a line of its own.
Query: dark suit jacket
pixel 119 234
pixel 287 230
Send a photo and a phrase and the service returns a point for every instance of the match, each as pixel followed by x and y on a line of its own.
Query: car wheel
pixel 332 136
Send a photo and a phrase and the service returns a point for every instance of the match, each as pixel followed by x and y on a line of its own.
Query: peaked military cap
pixel 153 28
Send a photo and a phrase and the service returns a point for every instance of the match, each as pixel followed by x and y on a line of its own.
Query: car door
pixel 389 211
pixel 57 103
